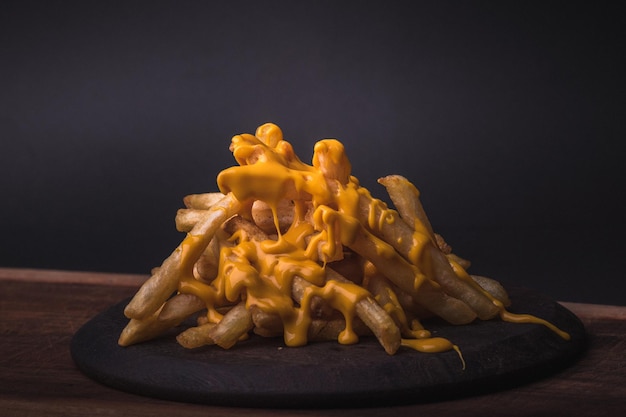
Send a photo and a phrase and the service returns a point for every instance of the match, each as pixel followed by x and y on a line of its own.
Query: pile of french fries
pixel 304 252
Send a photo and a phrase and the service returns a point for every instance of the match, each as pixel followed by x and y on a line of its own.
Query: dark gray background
pixel 506 115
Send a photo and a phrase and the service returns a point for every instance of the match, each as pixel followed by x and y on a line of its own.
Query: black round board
pixel 263 372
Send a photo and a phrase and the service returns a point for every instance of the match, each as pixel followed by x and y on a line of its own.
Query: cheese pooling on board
pixel 304 251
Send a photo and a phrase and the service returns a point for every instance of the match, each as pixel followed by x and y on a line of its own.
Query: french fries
pixel 303 251
pixel 406 199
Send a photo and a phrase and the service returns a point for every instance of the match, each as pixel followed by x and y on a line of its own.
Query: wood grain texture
pixel 38 377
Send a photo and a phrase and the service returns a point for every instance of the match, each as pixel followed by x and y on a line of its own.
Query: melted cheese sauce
pixel 261 272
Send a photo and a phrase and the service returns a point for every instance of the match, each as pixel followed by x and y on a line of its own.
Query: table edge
pixel 72 277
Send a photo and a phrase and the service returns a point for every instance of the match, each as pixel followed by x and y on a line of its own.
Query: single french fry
pixel 447 250
pixel 386 224
pixel 434 299
pixel 380 323
pixel 202 201
pixel 187 218
pixel 156 290
pixel 217 214
pixel 195 337
pixel 207 266
pixel 464 263
pixel 470 294
pixel 494 288
pixel 442 244
pixel 382 291
pixel 406 199
pixel 235 324
pixel 148 328
pixel 180 307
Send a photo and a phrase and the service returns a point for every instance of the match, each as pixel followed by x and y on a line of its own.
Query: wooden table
pixel 41 310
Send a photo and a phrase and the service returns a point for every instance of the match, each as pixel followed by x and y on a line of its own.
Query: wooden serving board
pixel 263 372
